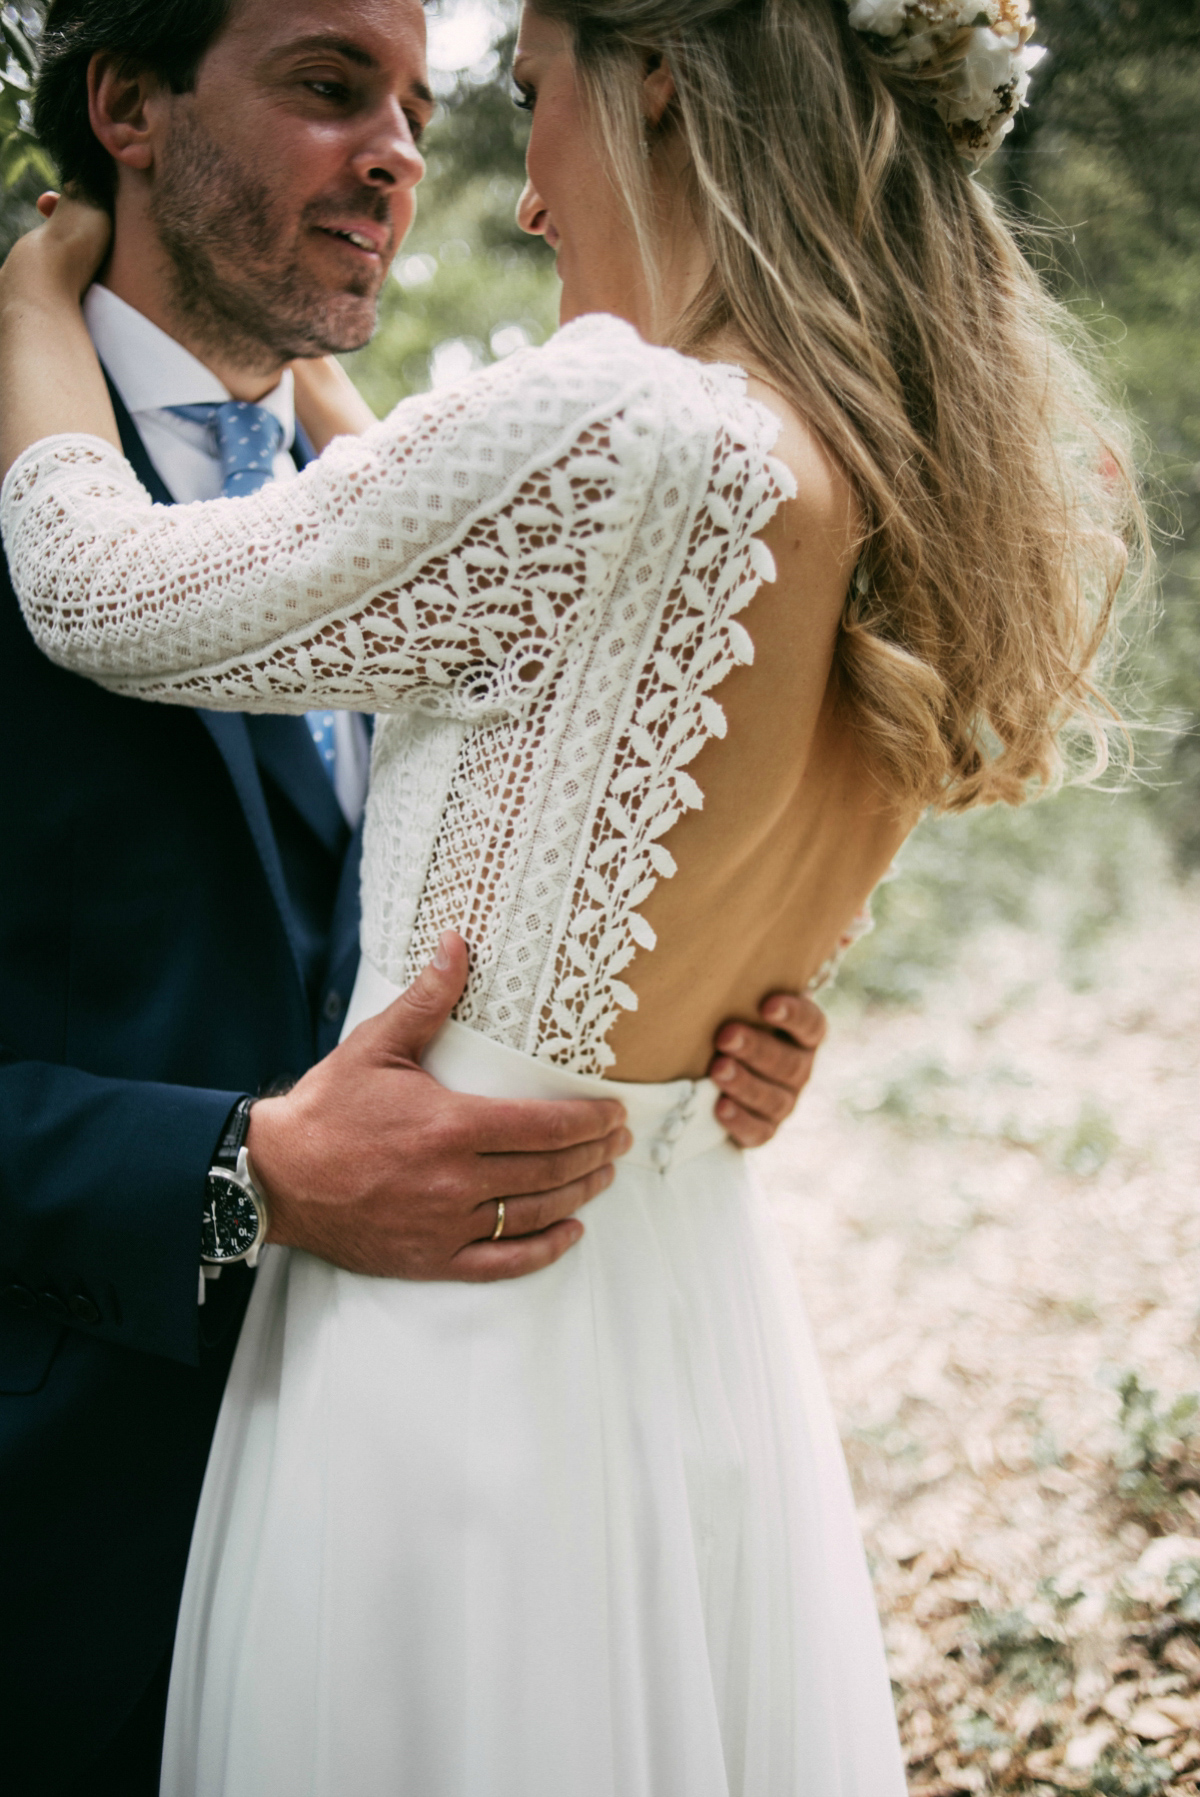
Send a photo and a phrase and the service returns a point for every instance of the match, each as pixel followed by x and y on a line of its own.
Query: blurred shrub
pixel 1157 1462
pixel 25 168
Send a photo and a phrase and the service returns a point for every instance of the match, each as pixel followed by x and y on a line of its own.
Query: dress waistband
pixel 670 1122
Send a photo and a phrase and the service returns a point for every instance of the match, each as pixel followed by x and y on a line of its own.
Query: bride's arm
pixel 328 404
pixel 451 553
pixel 50 380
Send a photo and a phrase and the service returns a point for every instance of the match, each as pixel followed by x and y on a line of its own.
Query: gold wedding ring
pixel 499 1229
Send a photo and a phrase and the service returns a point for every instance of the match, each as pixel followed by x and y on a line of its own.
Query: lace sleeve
pixel 445 560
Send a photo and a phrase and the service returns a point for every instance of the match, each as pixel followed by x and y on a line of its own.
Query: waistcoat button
pixel 55 1306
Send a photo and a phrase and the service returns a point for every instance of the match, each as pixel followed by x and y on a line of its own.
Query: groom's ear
pixel 122 102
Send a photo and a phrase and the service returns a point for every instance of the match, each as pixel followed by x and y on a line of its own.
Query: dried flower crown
pixel 975 53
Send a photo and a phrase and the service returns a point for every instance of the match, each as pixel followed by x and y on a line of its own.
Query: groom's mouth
pixel 367 241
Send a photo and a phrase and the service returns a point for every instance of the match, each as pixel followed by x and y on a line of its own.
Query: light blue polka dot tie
pixel 320 724
pixel 247 439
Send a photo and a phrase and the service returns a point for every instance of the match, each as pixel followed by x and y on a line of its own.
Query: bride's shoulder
pixel 608 350
pixel 597 360
pixel 594 366
pixel 595 387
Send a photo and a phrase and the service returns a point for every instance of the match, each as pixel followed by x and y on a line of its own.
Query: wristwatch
pixel 234 1224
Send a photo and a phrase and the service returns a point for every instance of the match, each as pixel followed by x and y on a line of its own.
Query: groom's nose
pixel 386 155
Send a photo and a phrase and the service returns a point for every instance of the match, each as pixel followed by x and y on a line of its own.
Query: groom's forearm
pixel 101 1192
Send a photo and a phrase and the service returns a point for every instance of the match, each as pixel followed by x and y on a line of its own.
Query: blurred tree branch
pixel 1122 76
pixel 25 168
pixel 19 148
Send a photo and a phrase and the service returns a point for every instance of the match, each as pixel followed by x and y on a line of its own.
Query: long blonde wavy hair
pixel 860 263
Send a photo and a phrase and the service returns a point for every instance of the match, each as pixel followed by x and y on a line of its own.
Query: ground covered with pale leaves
pixel 992 1197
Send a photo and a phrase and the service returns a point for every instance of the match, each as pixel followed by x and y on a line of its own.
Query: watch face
pixel 229 1224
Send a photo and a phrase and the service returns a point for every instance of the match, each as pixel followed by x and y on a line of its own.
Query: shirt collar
pixel 151 370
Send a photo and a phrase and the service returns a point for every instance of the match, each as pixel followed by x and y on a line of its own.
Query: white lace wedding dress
pixel 588 1534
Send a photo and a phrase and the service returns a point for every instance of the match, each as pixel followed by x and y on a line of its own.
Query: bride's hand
pixel 50 380
pixel 328 404
pixel 66 252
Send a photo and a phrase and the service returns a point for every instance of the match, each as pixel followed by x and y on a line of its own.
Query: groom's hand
pixel 367 1162
pixel 762 1068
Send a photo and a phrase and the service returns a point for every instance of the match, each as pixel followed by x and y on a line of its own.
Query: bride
pixel 805 521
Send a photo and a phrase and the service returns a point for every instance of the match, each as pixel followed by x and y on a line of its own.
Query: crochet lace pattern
pixel 533 577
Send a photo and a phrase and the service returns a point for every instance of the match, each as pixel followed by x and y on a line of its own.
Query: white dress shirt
pixel 151 372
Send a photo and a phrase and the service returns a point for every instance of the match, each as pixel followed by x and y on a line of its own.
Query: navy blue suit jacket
pixel 178 925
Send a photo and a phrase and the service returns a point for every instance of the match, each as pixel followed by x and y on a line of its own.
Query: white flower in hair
pixel 976 54
pixel 883 17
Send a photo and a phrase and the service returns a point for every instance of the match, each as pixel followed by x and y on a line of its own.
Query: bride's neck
pixel 685 268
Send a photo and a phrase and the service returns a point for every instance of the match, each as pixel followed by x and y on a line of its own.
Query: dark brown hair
pixel 169 37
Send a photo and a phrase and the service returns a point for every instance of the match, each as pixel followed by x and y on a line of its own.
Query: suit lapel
pixel 228 730
pixel 134 450
pixel 286 751
pixel 302 450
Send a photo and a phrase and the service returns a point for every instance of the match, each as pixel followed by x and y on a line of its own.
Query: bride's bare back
pixel 795 831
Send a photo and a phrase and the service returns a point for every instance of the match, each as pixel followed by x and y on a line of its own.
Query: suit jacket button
pixel 333 1006
pixel 54 1306
pixel 83 1309
pixel 20 1297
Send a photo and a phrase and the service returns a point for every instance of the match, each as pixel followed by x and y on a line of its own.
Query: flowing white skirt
pixel 587 1534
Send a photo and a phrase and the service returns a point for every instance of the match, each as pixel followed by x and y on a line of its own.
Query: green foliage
pixel 1071 868
pixel 25 168
pixel 1130 1772
pixel 1090 1144
pixel 1184 1581
pixel 20 151
pixel 1157 1461
pixel 1110 150
pixel 978 1733
pixel 1021 1654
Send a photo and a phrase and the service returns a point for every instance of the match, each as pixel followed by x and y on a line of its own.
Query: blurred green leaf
pixel 19 43
pixel 25 167
pixel 20 155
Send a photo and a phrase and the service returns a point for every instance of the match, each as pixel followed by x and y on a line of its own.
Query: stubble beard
pixel 234 259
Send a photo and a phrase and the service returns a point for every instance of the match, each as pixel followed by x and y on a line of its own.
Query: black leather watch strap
pixel 234 1135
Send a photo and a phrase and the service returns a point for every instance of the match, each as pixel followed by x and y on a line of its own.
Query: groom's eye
pixel 329 90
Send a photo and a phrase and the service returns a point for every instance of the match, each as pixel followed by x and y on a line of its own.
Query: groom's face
pixel 284 183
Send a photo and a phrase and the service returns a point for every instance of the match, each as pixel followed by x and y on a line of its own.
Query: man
pixel 178 924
